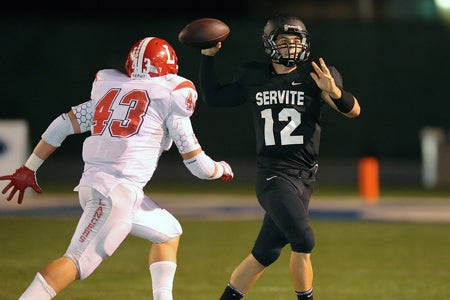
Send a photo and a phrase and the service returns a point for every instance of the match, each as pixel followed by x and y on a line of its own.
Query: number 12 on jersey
pixel 286 136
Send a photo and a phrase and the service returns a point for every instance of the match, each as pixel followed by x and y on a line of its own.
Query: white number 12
pixel 286 137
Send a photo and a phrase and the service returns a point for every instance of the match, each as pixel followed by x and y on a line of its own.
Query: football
pixel 204 33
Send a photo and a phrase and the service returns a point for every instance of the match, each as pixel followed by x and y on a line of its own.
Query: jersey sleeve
pixel 182 106
pixel 183 99
pixel 216 94
pixel 84 112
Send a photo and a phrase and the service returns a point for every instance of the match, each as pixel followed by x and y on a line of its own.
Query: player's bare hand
pixel 227 172
pixel 20 180
pixel 212 51
pixel 324 80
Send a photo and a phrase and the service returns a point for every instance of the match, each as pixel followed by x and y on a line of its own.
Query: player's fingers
pixel 35 186
pixel 5 177
pixel 227 178
pixel 323 66
pixel 322 61
pixel 11 195
pixel 19 200
pixel 6 188
pixel 227 172
pixel 316 67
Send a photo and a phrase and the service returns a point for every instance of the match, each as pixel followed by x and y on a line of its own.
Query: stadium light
pixel 443 8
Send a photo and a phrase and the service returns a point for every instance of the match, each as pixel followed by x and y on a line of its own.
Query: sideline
pixel 220 206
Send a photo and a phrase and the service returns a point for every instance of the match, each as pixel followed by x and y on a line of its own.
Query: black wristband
pixel 345 103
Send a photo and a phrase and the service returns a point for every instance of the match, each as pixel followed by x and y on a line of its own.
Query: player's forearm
pixel 208 80
pixel 347 104
pixel 51 139
pixel 203 167
pixel 44 149
pixel 40 153
pixel 191 154
pixel 355 111
pixel 214 93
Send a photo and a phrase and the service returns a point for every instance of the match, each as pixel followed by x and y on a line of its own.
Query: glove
pixel 20 180
pixel 227 172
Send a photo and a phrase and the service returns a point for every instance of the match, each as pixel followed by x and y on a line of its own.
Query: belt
pixel 304 174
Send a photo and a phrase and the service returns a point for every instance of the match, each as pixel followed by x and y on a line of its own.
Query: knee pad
pixel 85 269
pixel 88 257
pixel 266 256
pixel 305 242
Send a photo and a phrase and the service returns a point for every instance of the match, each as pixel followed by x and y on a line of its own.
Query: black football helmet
pixel 286 24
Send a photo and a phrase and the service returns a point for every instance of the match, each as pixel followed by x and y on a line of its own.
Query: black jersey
pixel 286 109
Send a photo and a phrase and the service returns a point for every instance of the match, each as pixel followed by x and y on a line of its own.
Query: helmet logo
pixel 292 28
pixel 170 58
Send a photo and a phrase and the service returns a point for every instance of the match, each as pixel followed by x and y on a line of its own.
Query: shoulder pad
pixel 110 74
pixel 184 98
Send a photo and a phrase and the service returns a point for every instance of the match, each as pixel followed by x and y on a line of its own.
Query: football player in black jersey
pixel 285 96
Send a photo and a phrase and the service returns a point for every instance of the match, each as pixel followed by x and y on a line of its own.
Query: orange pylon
pixel 368 179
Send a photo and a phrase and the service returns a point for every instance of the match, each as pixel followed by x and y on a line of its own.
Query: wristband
pixel 345 103
pixel 34 162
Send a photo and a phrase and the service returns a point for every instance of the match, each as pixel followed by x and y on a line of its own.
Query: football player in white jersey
pixel 133 118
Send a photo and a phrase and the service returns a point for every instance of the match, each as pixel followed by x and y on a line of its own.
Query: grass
pixel 352 260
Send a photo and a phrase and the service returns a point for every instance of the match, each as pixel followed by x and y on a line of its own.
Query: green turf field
pixel 353 260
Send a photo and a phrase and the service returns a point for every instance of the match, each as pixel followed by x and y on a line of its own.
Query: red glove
pixel 20 180
pixel 227 175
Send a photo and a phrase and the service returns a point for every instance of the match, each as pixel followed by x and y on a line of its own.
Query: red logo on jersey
pixel 190 103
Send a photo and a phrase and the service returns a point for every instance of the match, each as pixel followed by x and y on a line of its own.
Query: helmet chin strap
pixel 287 62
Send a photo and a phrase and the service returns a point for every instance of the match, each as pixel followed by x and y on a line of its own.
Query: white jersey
pixel 132 122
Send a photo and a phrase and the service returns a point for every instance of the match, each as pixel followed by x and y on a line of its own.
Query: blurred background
pixel 393 55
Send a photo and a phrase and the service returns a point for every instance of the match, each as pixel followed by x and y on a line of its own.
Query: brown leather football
pixel 204 33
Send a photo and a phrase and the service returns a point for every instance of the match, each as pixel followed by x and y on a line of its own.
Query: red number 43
pixel 137 102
